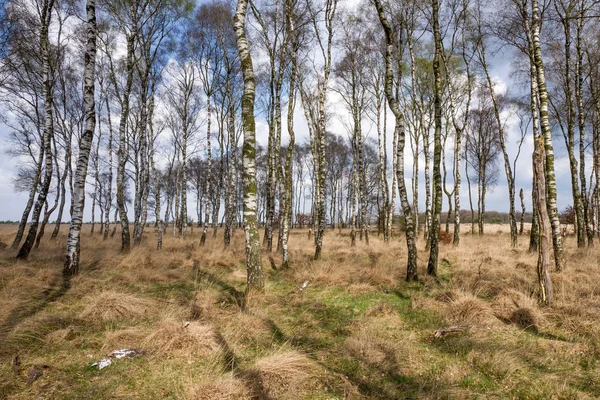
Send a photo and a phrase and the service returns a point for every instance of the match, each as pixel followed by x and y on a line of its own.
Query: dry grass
pixel 226 387
pixel 173 337
pixel 285 374
pixel 109 305
pixel 357 331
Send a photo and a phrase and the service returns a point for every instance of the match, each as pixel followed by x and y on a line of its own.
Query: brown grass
pixel 190 339
pixel 109 305
pixel 226 387
pixel 357 331
pixel 282 375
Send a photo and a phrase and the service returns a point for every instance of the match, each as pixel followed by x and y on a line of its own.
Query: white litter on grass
pixel 124 353
pixel 102 363
pixel 118 354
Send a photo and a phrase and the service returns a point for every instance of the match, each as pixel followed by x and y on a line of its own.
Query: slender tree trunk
pixel 109 177
pixel 395 182
pixel 522 220
pixel 383 183
pixel 122 152
pixel 534 235
pixel 354 193
pixel 581 125
pixel 207 193
pixel 63 188
pixel 141 201
pixel 31 199
pixel 71 266
pixel 362 183
pixel 507 167
pixel 437 149
pixel 470 198
pixel 543 264
pixel 230 195
pixel 549 175
pixel 46 17
pixel 48 212
pixel 570 138
pixel 444 175
pixel 428 198
pixel 399 133
pixel 253 258
pixel 289 160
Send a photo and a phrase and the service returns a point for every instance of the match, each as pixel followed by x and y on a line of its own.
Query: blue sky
pixel 12 204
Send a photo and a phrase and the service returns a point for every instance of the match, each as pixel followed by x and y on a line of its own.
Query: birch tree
pixel 391 50
pixel 324 38
pixel 290 12
pixel 71 266
pixel 543 263
pixel 255 280
pixel 437 149
pixel 45 18
pixel 549 175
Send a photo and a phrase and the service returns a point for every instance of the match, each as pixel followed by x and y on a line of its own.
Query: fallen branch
pixel 300 288
pixel 442 332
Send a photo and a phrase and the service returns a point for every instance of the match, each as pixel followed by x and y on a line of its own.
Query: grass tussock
pixel 466 308
pixel 282 375
pixel 110 305
pixel 511 306
pixel 171 337
pixel 123 339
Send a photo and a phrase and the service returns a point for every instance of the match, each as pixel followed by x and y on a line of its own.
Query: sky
pixel 12 203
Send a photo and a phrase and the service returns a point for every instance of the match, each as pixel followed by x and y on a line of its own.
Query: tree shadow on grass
pixel 379 380
pixel 55 291
pixel 236 295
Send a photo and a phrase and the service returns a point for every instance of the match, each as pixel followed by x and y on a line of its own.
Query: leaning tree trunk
pixel 30 201
pixel 71 266
pixel 46 17
pixel 253 258
pixel 399 135
pixel 546 132
pixel 434 233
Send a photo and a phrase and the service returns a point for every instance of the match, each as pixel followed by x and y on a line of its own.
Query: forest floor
pixel 357 331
